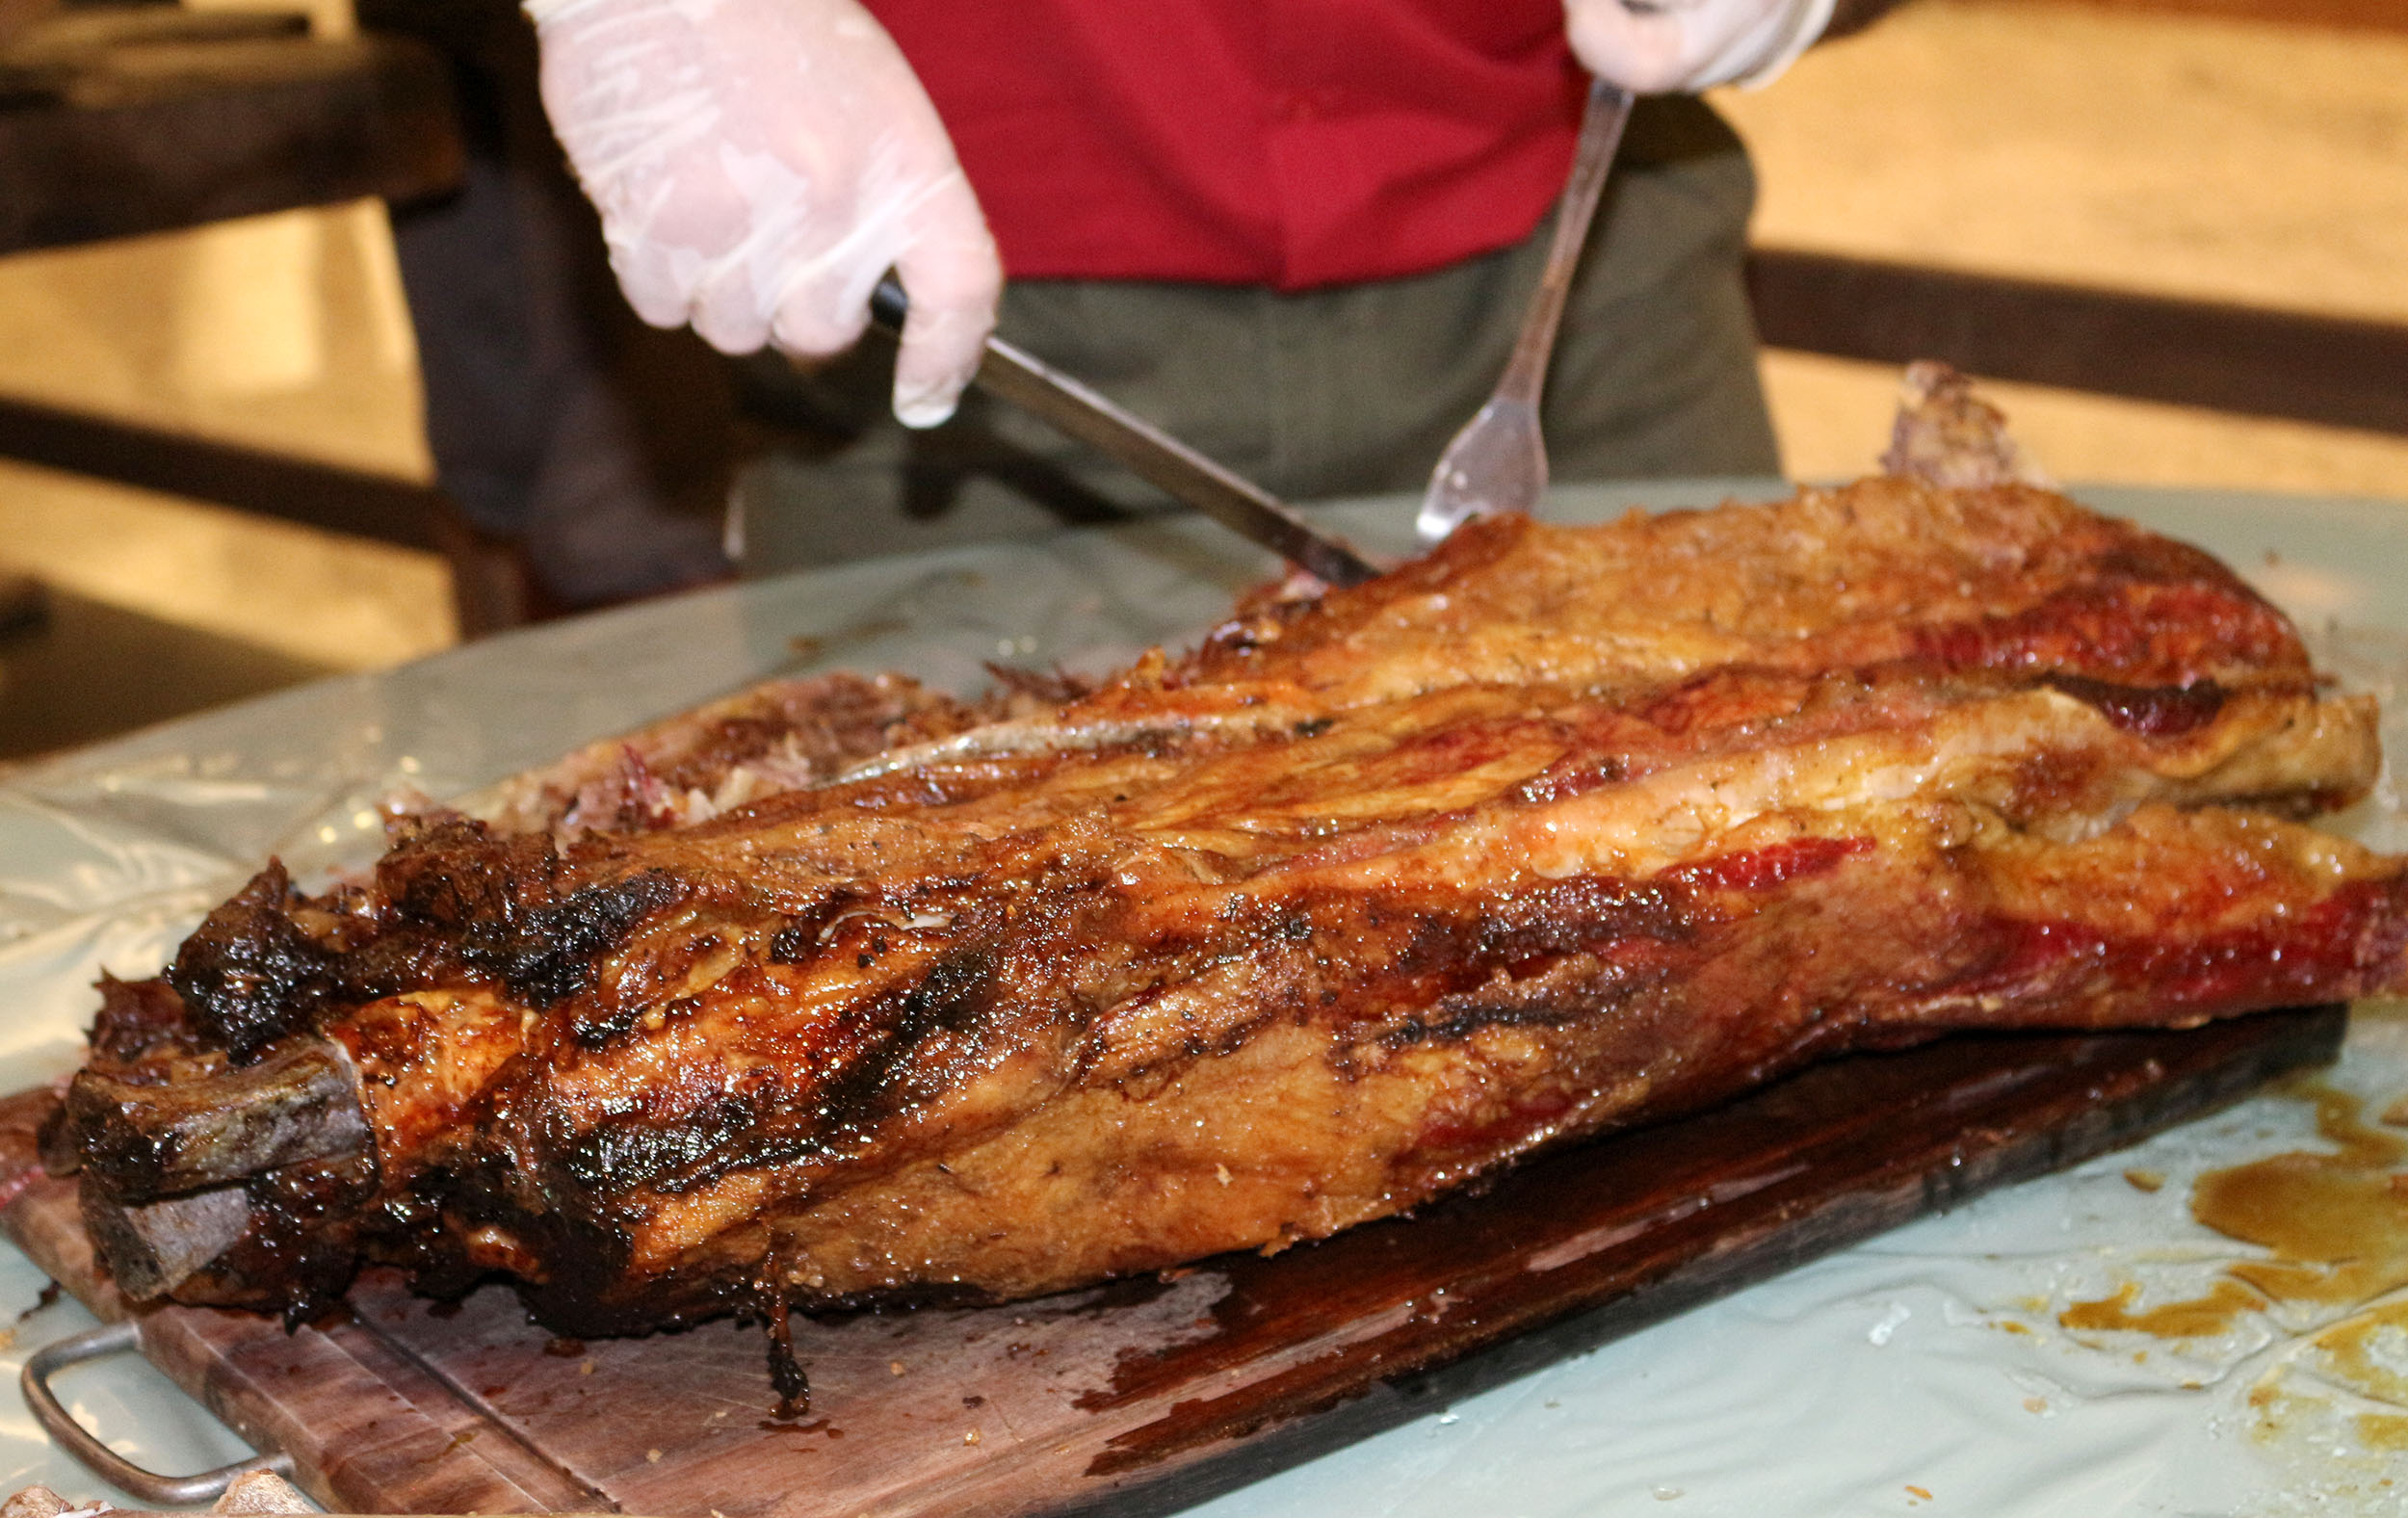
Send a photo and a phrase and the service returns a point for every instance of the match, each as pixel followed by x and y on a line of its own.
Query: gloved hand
pixel 758 165
pixel 1682 46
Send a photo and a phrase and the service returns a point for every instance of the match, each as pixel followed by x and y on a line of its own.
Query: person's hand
pixel 1682 46
pixel 758 165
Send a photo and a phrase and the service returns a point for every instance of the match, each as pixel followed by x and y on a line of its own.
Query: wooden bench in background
pixel 120 119
pixel 135 118
pixel 2242 359
pixel 2372 16
pixel 2245 359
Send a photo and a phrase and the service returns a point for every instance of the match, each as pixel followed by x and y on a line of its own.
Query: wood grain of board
pixel 1146 1395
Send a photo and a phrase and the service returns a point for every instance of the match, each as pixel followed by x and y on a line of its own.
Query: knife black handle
pixel 889 305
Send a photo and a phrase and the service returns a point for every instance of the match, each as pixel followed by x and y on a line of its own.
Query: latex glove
pixel 1682 46
pixel 758 165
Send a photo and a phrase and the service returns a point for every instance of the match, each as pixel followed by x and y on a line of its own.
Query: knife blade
pixel 1011 374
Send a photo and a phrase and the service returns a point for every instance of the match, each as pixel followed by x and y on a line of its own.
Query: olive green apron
pixel 1334 392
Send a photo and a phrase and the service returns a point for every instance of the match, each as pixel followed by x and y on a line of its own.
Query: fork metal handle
pixel 1608 112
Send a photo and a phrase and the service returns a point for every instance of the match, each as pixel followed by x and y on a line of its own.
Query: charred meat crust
pixel 250 975
pixel 224 1146
pixel 502 905
pixel 141 1143
pixel 1551 832
pixel 457 904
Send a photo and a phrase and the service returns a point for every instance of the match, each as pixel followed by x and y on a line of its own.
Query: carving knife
pixel 1153 454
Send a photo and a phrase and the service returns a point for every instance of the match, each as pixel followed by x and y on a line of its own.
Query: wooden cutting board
pixel 1151 1393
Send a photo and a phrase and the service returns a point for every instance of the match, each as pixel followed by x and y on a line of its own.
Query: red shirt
pixel 1282 142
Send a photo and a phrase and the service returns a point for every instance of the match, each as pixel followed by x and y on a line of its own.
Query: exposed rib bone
pixel 143 1143
pixel 151 1250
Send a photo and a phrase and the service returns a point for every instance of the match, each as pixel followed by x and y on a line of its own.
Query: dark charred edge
pixel 141 1143
pixel 495 901
pixel 550 954
pixel 1462 947
pixel 630 1154
pixel 248 976
pixel 1462 1017
pixel 570 1304
pixel 460 904
pixel 950 1001
pixel 791 943
pixel 578 1232
pixel 463 904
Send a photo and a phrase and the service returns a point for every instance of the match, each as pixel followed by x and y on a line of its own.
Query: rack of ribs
pixel 845 991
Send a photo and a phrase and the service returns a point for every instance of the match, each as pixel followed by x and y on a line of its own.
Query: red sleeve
pixel 1285 143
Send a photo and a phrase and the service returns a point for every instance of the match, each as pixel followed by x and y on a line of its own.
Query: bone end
pixel 153 1249
pixel 142 1144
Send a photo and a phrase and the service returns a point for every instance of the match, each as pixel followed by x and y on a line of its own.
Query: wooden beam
pixel 2334 370
pixel 490 586
pixel 2368 16
pixel 320 495
pixel 114 138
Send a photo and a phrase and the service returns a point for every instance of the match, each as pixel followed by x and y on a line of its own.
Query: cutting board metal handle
pixel 102 1461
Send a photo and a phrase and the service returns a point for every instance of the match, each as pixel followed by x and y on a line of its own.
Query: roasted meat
pixel 844 990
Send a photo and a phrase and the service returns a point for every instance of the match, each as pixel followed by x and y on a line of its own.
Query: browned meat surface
pixel 1948 435
pixel 1551 831
pixel 778 736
